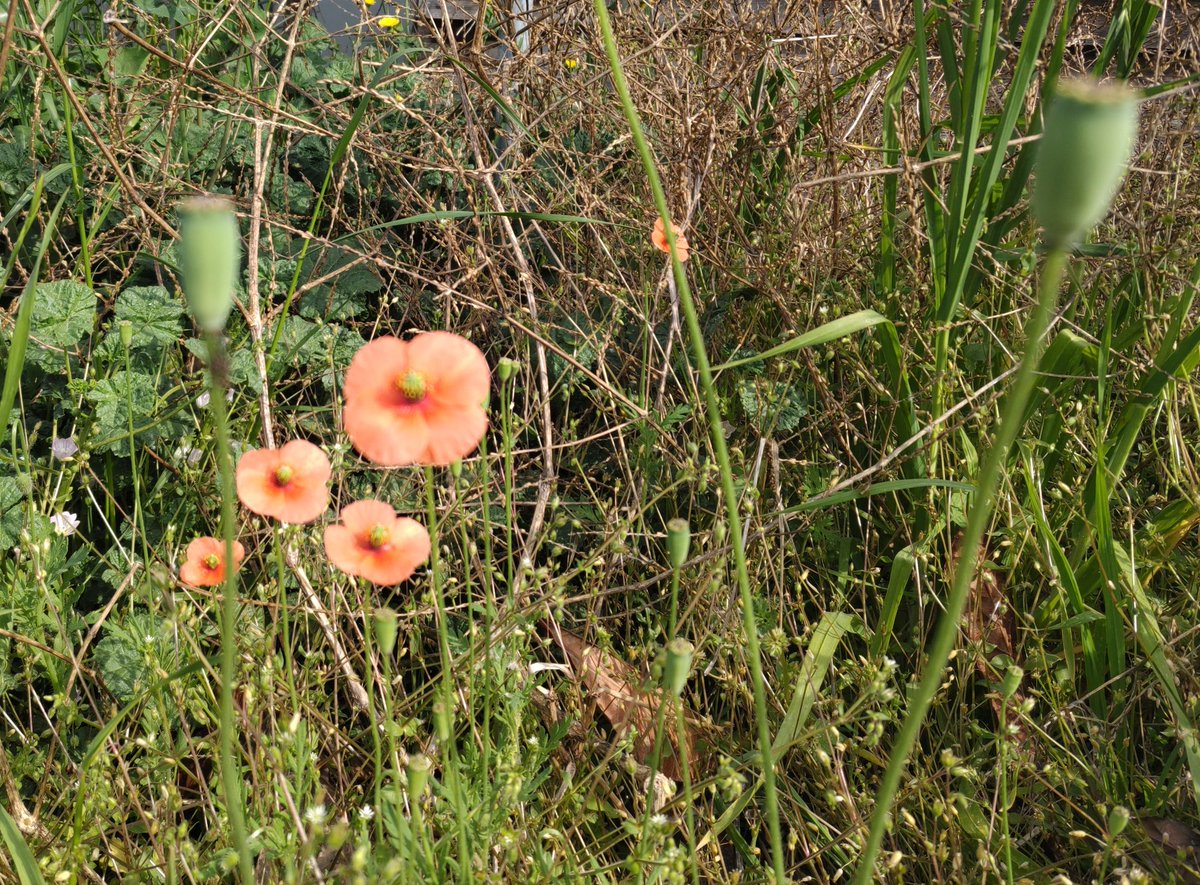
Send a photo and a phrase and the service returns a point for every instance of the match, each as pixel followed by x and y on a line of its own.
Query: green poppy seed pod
pixel 419 766
pixel 506 368
pixel 679 665
pixel 125 330
pixel 1118 820
pixel 1012 680
pixel 1090 130
pixel 443 721
pixel 210 258
pixel 385 631
pixel 679 541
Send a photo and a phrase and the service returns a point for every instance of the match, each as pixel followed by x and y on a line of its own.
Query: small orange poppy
pixel 288 483
pixel 205 565
pixel 417 402
pixel 658 237
pixel 372 542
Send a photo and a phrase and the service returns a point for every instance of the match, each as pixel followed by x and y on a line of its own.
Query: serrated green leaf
pixel 156 315
pixel 111 399
pixel 12 511
pixel 63 314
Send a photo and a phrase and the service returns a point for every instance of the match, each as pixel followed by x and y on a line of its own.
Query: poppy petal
pixel 453 433
pixel 458 369
pixel 389 437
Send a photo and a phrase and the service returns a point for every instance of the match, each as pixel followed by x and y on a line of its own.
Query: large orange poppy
pixel 417 402
pixel 372 542
pixel 288 483
pixel 205 564
pixel 658 237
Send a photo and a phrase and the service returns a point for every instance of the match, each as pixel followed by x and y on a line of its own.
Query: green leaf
pixel 772 406
pixel 157 316
pixel 63 313
pixel 126 654
pixel 111 399
pixel 12 510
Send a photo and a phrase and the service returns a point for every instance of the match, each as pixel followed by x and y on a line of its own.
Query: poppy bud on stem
pixel 1089 136
pixel 679 665
pixel 210 251
pixel 210 258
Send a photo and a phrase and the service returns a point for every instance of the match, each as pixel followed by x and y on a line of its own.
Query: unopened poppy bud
pixel 679 665
pixel 443 722
pixel 419 766
pixel 1012 681
pixel 506 368
pixel 1090 130
pixel 385 631
pixel 1118 820
pixel 210 258
pixel 679 541
pixel 125 330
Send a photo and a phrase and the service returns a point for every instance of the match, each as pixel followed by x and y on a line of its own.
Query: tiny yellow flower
pixel 570 63
pixel 388 21
pixel 369 2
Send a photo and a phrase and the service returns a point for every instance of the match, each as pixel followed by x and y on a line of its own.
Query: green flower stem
pixel 713 412
pixel 230 777
pixel 435 574
pixel 1012 418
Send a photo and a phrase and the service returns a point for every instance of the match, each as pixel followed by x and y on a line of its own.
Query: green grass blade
pixel 817 658
pixel 831 331
pixel 15 363
pixel 902 569
pixel 23 862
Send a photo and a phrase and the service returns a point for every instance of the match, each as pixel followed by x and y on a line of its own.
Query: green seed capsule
pixel 1083 156
pixel 385 631
pixel 679 541
pixel 210 255
pixel 679 665
pixel 419 766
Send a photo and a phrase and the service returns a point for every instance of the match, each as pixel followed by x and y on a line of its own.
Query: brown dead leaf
pixel 614 687
pixel 990 628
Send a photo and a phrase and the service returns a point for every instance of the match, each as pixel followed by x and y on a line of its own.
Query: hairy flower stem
pixel 713 412
pixel 992 469
pixel 230 777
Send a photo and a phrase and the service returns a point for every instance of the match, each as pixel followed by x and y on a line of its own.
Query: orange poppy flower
pixel 417 402
pixel 372 542
pixel 288 483
pixel 205 565
pixel 658 237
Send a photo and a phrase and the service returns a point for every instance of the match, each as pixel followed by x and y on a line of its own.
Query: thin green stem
pixel 717 433
pixel 1012 418
pixel 230 777
pixel 435 575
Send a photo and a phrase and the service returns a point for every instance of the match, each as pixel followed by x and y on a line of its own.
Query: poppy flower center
pixel 283 475
pixel 378 536
pixel 211 561
pixel 412 386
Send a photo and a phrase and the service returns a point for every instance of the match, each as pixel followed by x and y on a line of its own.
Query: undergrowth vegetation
pixel 567 688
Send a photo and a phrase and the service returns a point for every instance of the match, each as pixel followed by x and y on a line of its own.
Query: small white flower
pixel 63 448
pixel 366 812
pixel 65 523
pixel 203 399
pixel 315 814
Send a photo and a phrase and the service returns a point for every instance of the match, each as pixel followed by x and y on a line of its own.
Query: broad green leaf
pixel 63 313
pixel 156 315
pixel 111 399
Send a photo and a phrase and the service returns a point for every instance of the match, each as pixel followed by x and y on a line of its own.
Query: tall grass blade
pixel 23 862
